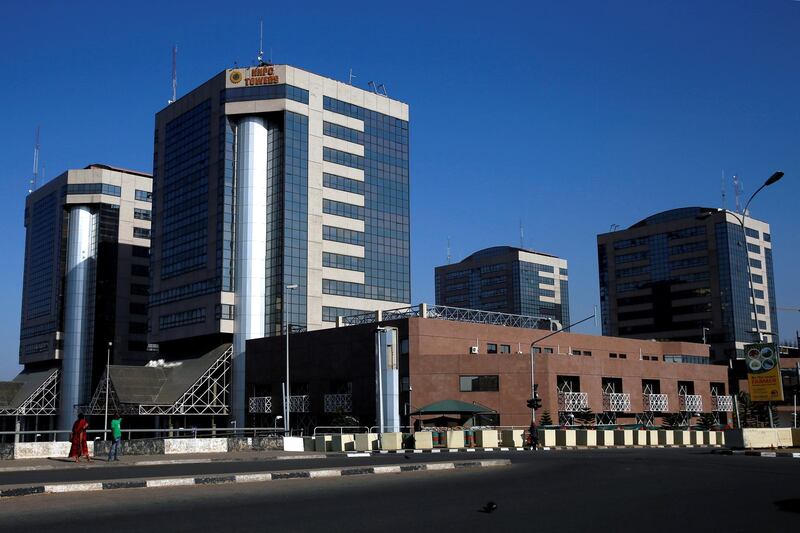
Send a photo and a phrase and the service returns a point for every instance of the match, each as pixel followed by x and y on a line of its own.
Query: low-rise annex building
pixel 481 359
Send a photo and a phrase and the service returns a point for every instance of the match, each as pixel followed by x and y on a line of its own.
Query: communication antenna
pixel 722 183
pixel 351 77
pixel 261 42
pixel 372 84
pixel 448 251
pixel 737 191
pixel 521 235
pixel 174 73
pixel 378 90
pixel 35 176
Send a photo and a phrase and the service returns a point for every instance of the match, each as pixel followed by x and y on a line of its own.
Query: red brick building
pixel 452 354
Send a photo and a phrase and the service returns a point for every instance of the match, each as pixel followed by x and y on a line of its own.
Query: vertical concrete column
pixel 76 366
pixel 251 252
pixel 388 379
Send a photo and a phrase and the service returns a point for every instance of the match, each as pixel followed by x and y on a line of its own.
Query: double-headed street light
pixel 287 394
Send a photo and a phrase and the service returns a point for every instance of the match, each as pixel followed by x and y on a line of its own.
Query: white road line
pixel 73 487
pixel 171 462
pixel 249 478
pixel 172 482
pixel 439 466
pixel 325 473
pixel 386 469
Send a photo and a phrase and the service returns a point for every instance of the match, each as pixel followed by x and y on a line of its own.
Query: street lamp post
pixel 275 424
pixel 772 179
pixel 108 364
pixel 288 396
pixel 533 359
pixel 705 330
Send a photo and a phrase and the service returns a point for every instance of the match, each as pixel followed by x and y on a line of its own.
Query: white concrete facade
pixel 318 87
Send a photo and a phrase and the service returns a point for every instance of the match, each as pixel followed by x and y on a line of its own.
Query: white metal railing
pixel 338 403
pixel 261 404
pixel 723 404
pixel 618 402
pixel 300 404
pixel 572 401
pixel 691 403
pixel 656 402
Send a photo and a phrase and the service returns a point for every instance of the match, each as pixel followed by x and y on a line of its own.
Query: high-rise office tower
pixel 85 282
pixel 682 275
pixel 507 280
pixel 272 182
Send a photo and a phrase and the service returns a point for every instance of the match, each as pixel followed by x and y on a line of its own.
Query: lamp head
pixel 772 179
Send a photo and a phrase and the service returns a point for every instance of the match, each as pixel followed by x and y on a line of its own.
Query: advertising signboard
pixel 763 372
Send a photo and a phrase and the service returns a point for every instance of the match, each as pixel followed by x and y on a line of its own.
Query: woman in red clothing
pixel 78 438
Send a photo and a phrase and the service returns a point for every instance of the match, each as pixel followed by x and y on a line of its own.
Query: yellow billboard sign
pixel 763 372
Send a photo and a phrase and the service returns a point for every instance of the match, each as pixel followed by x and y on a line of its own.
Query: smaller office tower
pixel 682 275
pixel 85 281
pixel 507 280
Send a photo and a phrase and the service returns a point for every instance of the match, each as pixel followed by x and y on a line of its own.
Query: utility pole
pixel 108 364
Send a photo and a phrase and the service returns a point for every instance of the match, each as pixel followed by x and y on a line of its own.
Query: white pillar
pixel 251 252
pixel 388 380
pixel 76 364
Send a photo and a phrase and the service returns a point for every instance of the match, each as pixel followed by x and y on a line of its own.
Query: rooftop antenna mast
pixel 722 183
pixel 737 191
pixel 261 42
pixel 351 77
pixel 448 251
pixel 521 235
pixel 174 73
pixel 35 176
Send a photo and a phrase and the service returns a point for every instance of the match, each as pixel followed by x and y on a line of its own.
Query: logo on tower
pixel 236 76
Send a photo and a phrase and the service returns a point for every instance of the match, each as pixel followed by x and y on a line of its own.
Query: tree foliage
pixel 545 419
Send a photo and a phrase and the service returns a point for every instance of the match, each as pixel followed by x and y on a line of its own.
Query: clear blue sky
pixel 568 116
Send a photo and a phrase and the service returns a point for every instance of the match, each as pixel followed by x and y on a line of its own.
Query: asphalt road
pixel 604 490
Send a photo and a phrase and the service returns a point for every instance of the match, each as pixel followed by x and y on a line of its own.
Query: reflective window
pixel 479 383
pixel 340 183
pixel 329 314
pixel 342 132
pixel 92 188
pixel 265 92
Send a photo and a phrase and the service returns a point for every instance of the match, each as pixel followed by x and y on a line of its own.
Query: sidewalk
pixel 59 463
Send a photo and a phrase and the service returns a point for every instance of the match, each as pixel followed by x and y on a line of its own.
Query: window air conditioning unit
pixel 473 350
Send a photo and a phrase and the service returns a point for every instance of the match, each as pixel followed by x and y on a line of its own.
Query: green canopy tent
pixel 465 411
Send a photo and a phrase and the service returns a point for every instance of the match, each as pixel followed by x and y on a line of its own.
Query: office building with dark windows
pixel 85 285
pixel 274 182
pixel 508 280
pixel 683 275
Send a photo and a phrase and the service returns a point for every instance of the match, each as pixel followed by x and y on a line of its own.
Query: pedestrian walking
pixel 116 433
pixel 533 436
pixel 79 446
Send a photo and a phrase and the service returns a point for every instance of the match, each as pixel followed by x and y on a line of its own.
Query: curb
pixel 790 455
pixel 528 448
pixel 446 450
pixel 65 465
pixel 248 478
